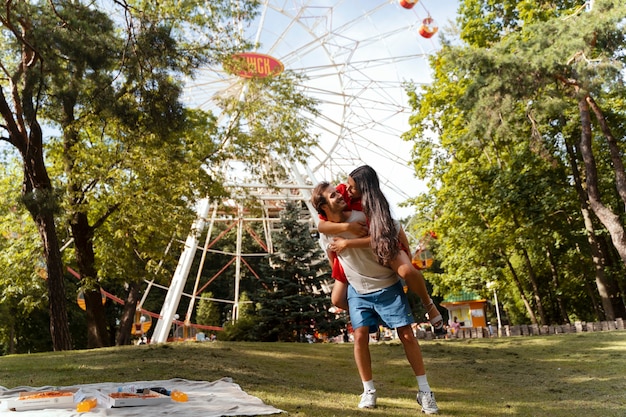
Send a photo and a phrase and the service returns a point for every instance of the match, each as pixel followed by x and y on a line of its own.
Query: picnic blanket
pixel 206 399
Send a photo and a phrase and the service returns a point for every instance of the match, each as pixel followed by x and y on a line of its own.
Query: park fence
pixel 526 330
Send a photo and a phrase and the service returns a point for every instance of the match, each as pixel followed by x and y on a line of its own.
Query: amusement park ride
pixel 356 57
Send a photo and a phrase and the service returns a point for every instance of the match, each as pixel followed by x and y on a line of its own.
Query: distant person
pixel 374 291
pixel 455 326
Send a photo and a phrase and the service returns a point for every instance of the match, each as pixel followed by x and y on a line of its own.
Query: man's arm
pixel 331 255
pixel 338 244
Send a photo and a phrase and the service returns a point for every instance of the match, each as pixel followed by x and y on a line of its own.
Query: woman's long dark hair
pixel 384 236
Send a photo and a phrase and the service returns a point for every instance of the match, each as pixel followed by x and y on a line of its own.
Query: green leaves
pixel 124 153
pixel 490 132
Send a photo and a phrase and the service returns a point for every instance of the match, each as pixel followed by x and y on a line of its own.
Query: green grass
pixel 557 376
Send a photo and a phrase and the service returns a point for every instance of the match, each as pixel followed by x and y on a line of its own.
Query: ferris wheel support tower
pixel 179 279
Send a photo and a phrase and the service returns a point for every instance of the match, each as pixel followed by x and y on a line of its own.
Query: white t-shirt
pixel 362 270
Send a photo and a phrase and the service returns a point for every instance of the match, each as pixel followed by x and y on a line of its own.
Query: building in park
pixel 468 307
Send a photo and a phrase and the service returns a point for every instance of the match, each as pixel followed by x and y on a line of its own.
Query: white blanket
pixel 206 399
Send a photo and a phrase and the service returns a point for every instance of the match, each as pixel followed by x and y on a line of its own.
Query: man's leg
pixel 362 315
pixel 412 349
pixel 413 352
pixel 363 361
pixel 362 355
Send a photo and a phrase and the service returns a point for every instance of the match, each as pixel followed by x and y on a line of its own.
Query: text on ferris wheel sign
pixel 253 65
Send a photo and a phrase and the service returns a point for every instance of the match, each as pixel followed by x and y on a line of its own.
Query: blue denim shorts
pixel 389 305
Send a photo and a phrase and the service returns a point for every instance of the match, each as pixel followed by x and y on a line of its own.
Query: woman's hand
pixel 338 244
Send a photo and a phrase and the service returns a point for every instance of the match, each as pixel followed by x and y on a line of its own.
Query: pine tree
pixel 207 312
pixel 295 304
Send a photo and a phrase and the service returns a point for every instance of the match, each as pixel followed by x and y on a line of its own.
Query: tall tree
pixel 110 81
pixel 294 304
pixel 19 105
pixel 499 167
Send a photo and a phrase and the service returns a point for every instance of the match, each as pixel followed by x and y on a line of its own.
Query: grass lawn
pixel 568 375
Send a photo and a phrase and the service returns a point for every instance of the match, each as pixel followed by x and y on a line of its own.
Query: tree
pixel 67 62
pixel 294 304
pixel 111 86
pixel 207 312
pixel 506 107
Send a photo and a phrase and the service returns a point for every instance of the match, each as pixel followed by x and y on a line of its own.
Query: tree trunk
pixel 592 295
pixel 607 217
pixel 128 315
pixel 41 203
pixel 614 150
pixel 598 256
pixel 11 323
pixel 614 290
pixel 520 288
pixel 532 277
pixel 555 282
pixel 97 335
pixel 59 327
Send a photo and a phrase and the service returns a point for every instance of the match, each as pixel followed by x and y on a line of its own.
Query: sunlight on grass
pixel 614 347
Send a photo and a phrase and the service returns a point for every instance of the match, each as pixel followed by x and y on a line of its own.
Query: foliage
pixel 207 312
pixel 22 287
pixel 127 160
pixel 243 330
pixel 492 133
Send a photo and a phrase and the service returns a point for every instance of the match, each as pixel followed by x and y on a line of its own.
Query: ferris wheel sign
pixel 254 65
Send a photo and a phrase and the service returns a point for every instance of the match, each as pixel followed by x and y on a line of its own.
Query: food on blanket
pixel 44 394
pixel 39 400
pixel 179 396
pixel 133 395
pixel 86 405
pixel 140 397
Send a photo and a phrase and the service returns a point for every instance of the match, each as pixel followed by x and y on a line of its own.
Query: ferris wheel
pixel 357 57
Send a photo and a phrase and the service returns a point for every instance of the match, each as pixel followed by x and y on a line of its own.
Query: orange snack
pixel 44 394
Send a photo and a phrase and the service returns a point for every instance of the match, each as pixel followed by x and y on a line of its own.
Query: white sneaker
pixel 368 400
pixel 427 401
